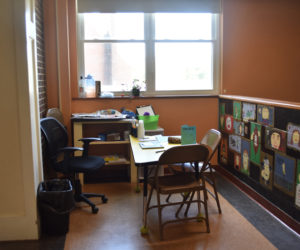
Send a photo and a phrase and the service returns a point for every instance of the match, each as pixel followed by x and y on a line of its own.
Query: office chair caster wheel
pixel 95 210
pixel 104 200
pixel 144 230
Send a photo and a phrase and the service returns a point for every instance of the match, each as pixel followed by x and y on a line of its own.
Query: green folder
pixel 188 134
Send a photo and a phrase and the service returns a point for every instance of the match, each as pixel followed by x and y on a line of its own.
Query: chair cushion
pixel 85 164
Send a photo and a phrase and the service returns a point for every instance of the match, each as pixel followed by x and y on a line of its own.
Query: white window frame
pixel 149 31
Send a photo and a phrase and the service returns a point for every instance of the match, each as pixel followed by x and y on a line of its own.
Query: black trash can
pixel 55 201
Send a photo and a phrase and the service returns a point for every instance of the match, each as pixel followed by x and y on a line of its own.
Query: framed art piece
pixel 284 173
pixel 238 127
pixel 222 122
pixel 266 170
pixel 224 149
pixel 235 143
pixel 297 193
pixel 228 124
pixel 249 112
pixel 255 143
pixel 237 161
pixel 245 155
pixel 141 110
pixel 293 136
pixel 265 115
pixel 247 130
pixel 237 108
pixel 275 139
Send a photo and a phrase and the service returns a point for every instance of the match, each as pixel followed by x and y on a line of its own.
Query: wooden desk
pixel 144 158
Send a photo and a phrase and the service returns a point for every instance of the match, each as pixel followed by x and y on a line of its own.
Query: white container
pixel 141 129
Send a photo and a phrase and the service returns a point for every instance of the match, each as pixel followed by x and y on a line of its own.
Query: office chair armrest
pixel 86 142
pixel 70 149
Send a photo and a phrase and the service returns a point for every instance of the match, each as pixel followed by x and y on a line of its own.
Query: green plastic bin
pixel 150 121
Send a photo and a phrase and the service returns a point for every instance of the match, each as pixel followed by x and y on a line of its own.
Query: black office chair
pixel 62 159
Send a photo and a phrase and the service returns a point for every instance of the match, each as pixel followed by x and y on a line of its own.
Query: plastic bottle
pixel 81 88
pixel 141 129
pixel 90 88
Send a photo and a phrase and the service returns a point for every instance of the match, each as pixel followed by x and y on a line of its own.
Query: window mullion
pixel 150 55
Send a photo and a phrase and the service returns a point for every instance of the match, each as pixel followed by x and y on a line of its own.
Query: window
pixel 174 53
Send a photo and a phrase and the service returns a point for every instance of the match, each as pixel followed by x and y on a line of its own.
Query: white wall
pixel 20 154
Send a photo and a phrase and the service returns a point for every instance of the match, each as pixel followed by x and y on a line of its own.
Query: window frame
pixel 149 40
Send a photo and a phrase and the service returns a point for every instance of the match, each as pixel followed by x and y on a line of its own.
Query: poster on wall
pixel 255 143
pixel 275 139
pixel 293 136
pixel 235 143
pixel 297 194
pixel 224 150
pixel 284 173
pixel 237 108
pixel 238 127
pixel 237 161
pixel 266 170
pixel 229 124
pixel 249 112
pixel 245 155
pixel 265 115
pixel 247 130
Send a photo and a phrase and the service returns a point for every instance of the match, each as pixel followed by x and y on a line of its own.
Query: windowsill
pixel 146 97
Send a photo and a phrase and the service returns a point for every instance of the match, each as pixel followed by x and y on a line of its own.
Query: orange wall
pixel 261 48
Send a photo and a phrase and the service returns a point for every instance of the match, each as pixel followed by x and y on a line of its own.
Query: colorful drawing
pixel 224 150
pixel 284 173
pixel 255 143
pixel 235 143
pixel 237 110
pixel 249 112
pixel 245 154
pixel 237 162
pixel 228 124
pixel 265 115
pixel 275 139
pixel 222 109
pixel 247 130
pixel 266 170
pixel 297 194
pixel 222 122
pixel 238 128
pixel 293 136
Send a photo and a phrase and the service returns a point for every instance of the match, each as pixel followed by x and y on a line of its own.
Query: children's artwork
pixel 275 139
pixel 297 194
pixel 224 150
pixel 238 127
pixel 237 110
pixel 255 148
pixel 222 122
pixel 222 109
pixel 235 143
pixel 228 124
pixel 284 173
pixel 237 162
pixel 245 155
pixel 266 170
pixel 265 115
pixel 249 112
pixel 293 136
pixel 247 130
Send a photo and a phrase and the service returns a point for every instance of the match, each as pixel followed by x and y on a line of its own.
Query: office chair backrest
pixel 55 134
pixel 56 113
pixel 212 139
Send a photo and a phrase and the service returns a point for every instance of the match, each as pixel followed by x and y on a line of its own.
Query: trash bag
pixel 55 202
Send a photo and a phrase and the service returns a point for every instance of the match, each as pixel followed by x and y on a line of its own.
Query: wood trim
pixel 283 104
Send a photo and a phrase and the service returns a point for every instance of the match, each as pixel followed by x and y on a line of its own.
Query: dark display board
pixel 261 146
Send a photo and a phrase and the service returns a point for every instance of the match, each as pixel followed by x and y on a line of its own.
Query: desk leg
pixel 144 229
